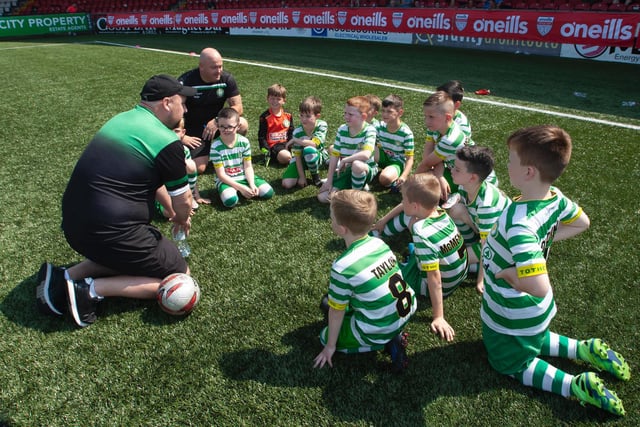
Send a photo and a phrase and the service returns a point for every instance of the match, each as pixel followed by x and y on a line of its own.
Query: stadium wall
pixel 600 36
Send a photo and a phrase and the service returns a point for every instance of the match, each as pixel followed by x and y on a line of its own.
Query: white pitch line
pixel 32 46
pixel 395 86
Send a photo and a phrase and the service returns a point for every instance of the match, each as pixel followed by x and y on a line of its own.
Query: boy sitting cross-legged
pixel 231 158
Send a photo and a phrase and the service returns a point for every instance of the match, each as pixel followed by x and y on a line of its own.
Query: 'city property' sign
pixel 16 26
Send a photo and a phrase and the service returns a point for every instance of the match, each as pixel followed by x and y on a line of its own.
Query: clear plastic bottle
pixel 181 242
pixel 580 94
pixel 629 103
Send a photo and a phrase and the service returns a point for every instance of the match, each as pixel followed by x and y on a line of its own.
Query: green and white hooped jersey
pixel 439 246
pixel 396 145
pixel 319 136
pixel 346 145
pixel 231 158
pixel 462 121
pixel 365 280
pixel 445 147
pixel 486 208
pixel 447 144
pixel 522 236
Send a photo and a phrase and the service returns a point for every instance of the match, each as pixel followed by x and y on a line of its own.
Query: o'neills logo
pixel 253 17
pixel 143 18
pixel 214 17
pixel 544 25
pixel 396 19
pixel 610 29
pixel 200 19
pixel 296 16
pixel 342 17
pixel 462 19
pixel 178 18
pixel 110 19
pixel 128 21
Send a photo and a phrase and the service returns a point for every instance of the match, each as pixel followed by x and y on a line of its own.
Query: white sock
pixel 92 288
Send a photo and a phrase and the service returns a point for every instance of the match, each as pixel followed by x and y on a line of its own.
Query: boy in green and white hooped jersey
pixel 231 158
pixel 368 303
pixel 395 146
pixel 351 163
pixel 456 91
pixel 375 104
pixel 518 303
pixel 307 145
pixel 440 263
pixel 443 138
pixel 481 203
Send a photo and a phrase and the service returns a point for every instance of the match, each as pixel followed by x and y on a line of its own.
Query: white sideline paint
pixel 394 86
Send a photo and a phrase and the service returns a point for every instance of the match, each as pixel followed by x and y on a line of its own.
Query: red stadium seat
pixel 617 7
pixel 582 6
pixel 633 7
pixel 599 6
pixel 565 6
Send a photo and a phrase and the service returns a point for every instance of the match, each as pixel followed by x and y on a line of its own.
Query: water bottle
pixel 411 249
pixel 181 242
pixel 267 156
pixel 629 103
pixel 580 94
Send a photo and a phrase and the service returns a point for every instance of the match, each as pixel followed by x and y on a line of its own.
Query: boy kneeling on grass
pixel 518 303
pixel 369 303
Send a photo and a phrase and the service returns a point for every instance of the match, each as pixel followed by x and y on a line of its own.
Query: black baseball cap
pixel 163 85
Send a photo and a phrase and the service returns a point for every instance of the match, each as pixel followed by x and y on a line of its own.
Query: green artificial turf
pixel 244 356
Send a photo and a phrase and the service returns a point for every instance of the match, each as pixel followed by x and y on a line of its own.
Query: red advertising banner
pixel 591 28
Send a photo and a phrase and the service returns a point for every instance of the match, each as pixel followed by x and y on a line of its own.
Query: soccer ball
pixel 178 294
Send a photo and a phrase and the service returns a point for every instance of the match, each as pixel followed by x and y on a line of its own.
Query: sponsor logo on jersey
pixel 233 171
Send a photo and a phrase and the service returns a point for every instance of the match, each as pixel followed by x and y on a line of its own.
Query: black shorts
pixel 202 151
pixel 140 251
pixel 275 150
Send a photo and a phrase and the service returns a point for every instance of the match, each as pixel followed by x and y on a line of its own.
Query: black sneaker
pixel 51 290
pixel 316 180
pixel 81 305
pixel 396 349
